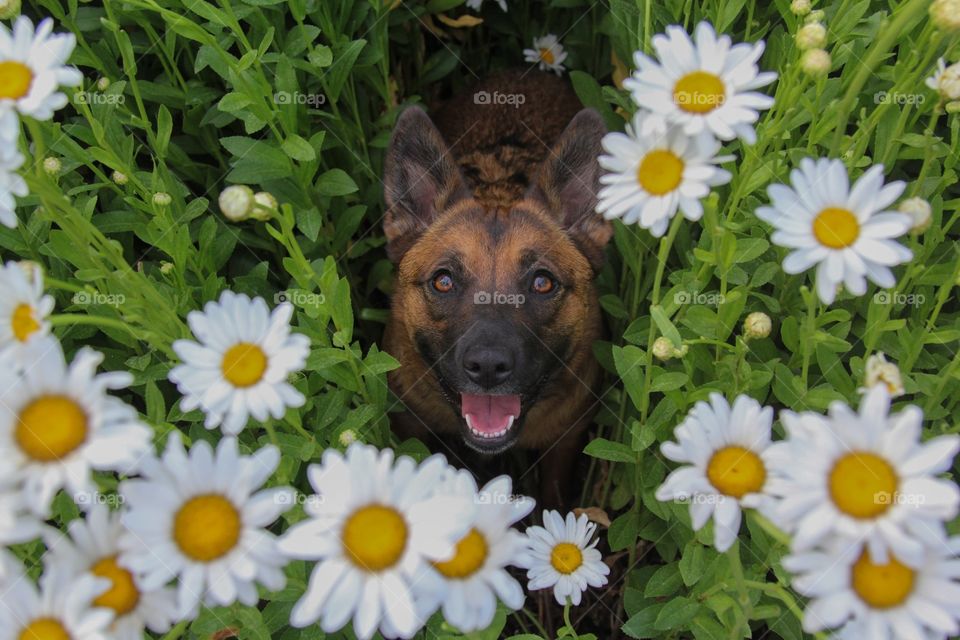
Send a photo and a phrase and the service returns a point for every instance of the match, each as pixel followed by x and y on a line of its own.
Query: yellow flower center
pixel 735 471
pixel 566 557
pixel 863 485
pixel 23 323
pixel 881 585
pixel 244 364
pixel 123 595
pixel 660 172
pixel 699 92
pixel 470 556
pixel 207 527
pixel 44 629
pixel 15 80
pixel 836 228
pixel 375 537
pixel 50 427
pixel 547 55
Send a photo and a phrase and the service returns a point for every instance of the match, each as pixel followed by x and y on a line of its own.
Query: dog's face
pixel 494 301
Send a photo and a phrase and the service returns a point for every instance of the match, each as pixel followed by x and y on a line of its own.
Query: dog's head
pixel 497 302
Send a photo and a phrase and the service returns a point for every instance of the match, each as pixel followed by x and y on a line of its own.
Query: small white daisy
pixel 702 86
pixel 866 476
pixel 23 308
pixel 200 517
pixel 57 423
pixel 728 465
pixel 372 524
pixel 879 371
pixel 562 556
pixel 873 598
pixel 946 80
pixel 92 546
pixel 32 68
pixel 240 366
pixel 547 52
pixel 17 522
pixel 11 183
pixel 476 4
pixel 60 608
pixel 847 232
pixel 467 586
pixel 653 174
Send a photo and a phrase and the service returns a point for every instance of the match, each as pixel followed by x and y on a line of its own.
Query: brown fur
pixel 511 194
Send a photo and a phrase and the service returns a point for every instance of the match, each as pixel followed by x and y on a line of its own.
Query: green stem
pixel 566 620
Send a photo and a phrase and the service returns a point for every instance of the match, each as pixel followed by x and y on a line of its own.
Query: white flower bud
pixel 815 62
pixel 162 199
pixel 879 371
pixel 946 14
pixel 236 202
pixel 816 16
pixel 662 348
pixel 9 9
pixel 120 178
pixel 811 36
pixel 919 211
pixel 800 7
pixel 52 166
pixel 265 204
pixel 166 268
pixel 347 438
pixel 103 84
pixel 757 325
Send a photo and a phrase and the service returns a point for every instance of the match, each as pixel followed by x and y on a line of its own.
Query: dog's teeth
pixel 509 424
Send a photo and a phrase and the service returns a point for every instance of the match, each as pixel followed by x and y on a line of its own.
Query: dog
pixel 490 222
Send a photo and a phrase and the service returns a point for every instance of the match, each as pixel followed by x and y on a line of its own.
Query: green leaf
pixel 609 450
pixel 299 149
pixel 336 182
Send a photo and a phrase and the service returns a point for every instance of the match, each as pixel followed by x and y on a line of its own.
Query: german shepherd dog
pixel 490 222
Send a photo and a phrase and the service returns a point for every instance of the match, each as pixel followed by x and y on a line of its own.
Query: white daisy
pixel 11 183
pixel 60 607
pixel 702 86
pixel 547 52
pixel 93 546
pixel 654 173
pixel 23 308
pixel 240 366
pixel 864 475
pixel 372 525
pixel 728 465
pixel 847 232
pixel 17 522
pixel 467 586
pixel 946 80
pixel 476 4
pixel 200 517
pixel 57 423
pixel 877 370
pixel 879 599
pixel 562 556
pixel 32 68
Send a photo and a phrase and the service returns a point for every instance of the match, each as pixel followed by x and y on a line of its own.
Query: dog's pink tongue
pixel 489 414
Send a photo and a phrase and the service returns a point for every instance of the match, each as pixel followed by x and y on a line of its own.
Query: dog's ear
pixel 421 180
pixel 568 181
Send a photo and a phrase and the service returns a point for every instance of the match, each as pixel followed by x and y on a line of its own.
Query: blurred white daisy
pixel 727 468
pixel 17 522
pixel 240 365
pixel 946 80
pixel 23 308
pixel 11 184
pixel 468 585
pixel 652 174
pixel 866 476
pixel 57 423
pixel 93 546
pixel 873 598
pixel 201 517
pixel 372 524
pixel 32 69
pixel 547 52
pixel 847 232
pixel 562 556
pixel 705 85
pixel 59 608
pixel 476 4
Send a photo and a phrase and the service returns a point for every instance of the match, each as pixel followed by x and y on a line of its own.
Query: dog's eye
pixel 442 282
pixel 543 283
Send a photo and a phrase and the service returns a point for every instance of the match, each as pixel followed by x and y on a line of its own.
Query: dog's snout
pixel 488 366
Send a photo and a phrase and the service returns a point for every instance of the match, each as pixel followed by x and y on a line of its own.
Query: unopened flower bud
pixel 52 166
pixel 757 325
pixel 162 199
pixel 103 84
pixel 811 36
pixel 9 9
pixel 815 62
pixel 815 16
pixel 236 202
pixel 663 349
pixel 166 268
pixel 800 7
pixel 946 14
pixel 120 178
pixel 347 437
pixel 879 371
pixel 264 205
pixel 919 211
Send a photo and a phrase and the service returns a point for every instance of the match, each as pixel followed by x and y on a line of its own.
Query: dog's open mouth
pixel 490 418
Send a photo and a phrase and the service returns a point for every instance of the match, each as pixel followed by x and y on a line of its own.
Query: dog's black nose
pixel 488 366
